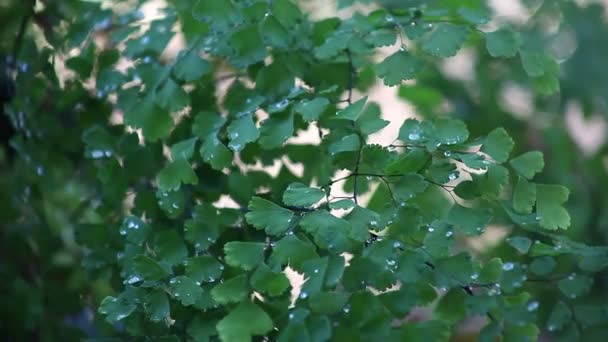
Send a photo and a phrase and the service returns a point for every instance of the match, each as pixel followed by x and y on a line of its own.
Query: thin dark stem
pixel 356 173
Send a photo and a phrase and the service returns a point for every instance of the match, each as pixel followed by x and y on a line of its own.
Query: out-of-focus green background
pixel 46 290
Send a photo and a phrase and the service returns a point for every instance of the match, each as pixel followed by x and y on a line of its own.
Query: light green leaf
pixel 329 232
pixel 273 33
pixel 409 186
pixel 241 132
pixel 370 120
pixel 327 303
pixel 266 215
pixel 191 67
pixel 445 40
pixel 300 195
pixel 311 110
pixel 244 255
pixel 244 321
pixel 498 145
pixel 549 201
pixel 503 42
pixel 524 196
pixel 398 67
pixel 352 111
pixel 233 290
pixel 156 306
pixel 415 131
pixel 528 164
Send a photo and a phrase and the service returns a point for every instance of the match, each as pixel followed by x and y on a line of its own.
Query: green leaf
pixel 135 230
pixel 233 290
pixel 476 16
pixel 172 203
pixel 560 316
pixel 409 186
pixel 575 285
pixel 300 195
pixel 549 209
pixel 398 67
pixel 241 132
pixel 274 34
pixel 170 247
pixel 342 204
pixel 244 255
pixel 472 221
pixel 445 40
pixel 534 63
pixel 520 243
pixel 201 329
pixel 116 309
pixel 146 268
pixel 451 131
pixel 528 164
pixel 183 149
pixel 155 122
pixel 203 268
pixel 156 306
pixel 176 173
pixel 191 67
pixel 491 184
pixel 370 120
pixel 276 130
pixel 352 111
pixel 451 307
pixel 411 161
pixel 246 320
pixel 415 131
pixel 186 290
pixel 266 215
pixel 498 145
pixel 207 123
pixel 216 154
pixel 329 232
pixel 268 282
pixel 347 143
pixel 503 42
pixel 248 46
pixel 293 251
pixel 327 303
pixel 524 196
pixel 172 97
pixel 221 15
pixel 311 110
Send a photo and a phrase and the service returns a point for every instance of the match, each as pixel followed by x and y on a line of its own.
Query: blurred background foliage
pixel 47 188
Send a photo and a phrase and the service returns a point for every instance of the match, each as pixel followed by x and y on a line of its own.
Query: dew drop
pixel 532 306
pixel 413 136
pixel 145 40
pixel 303 295
pixel 508 266
pixel 449 233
